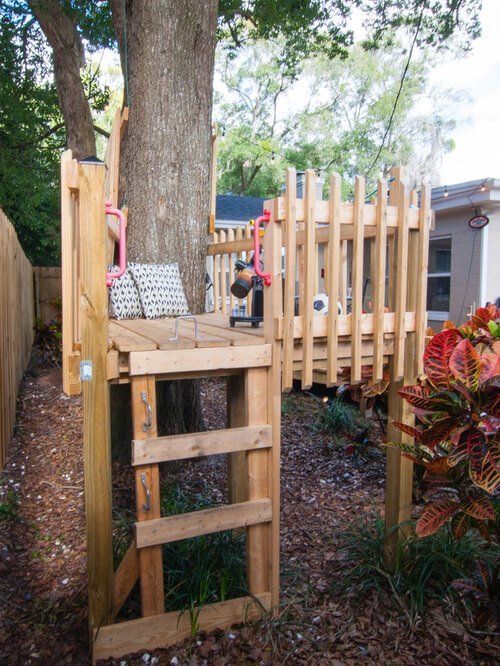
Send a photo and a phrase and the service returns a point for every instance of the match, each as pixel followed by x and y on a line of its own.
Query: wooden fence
pixel 16 326
pixel 48 291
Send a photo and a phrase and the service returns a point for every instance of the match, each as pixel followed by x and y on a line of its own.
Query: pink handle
pixel 122 244
pixel 265 217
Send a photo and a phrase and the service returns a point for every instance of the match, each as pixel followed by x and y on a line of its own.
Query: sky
pixel 477 136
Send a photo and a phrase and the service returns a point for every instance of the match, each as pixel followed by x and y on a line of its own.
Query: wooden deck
pixel 150 347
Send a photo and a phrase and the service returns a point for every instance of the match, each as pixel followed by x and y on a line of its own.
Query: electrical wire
pixel 401 84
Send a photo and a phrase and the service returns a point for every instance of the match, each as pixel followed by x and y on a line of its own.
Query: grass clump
pixel 425 570
pixel 196 571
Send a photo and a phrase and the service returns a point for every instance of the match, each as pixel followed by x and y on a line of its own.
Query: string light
pixel 445 192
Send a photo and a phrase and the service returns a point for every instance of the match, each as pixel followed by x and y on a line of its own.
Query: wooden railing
pixel 224 249
pixel 16 326
pixel 370 259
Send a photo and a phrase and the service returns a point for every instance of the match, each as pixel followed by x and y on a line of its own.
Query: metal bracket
pixel 193 318
pixel 146 507
pixel 85 371
pixel 146 425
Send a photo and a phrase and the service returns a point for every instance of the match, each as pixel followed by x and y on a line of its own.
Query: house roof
pixel 481 193
pixel 231 208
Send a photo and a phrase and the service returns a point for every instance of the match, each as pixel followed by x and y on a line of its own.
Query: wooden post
pixel 333 277
pixel 147 492
pixel 69 275
pixel 259 483
pixel 236 462
pixel 399 470
pixel 273 309
pixel 96 425
pixel 290 270
pixel 357 278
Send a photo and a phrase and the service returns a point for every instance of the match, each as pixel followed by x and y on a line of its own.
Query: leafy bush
pixel 457 438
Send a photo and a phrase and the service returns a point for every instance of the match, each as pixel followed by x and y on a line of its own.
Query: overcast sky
pixel 477 137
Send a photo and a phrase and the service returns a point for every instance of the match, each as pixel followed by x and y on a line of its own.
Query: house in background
pixel 464 262
pixel 234 211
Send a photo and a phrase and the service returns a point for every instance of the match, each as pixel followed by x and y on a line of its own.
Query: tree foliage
pixel 330 116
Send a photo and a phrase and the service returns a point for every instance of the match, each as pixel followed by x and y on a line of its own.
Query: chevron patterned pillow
pixel 160 290
pixel 124 301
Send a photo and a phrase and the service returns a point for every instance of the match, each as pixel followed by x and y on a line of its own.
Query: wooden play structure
pixel 259 364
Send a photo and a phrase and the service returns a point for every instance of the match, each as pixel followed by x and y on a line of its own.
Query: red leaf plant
pixel 457 431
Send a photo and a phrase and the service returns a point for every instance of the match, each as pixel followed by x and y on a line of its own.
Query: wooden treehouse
pixel 304 241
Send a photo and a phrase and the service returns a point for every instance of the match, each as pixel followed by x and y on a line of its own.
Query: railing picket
pixel 357 278
pixel 290 268
pixel 309 270
pixel 378 281
pixel 333 277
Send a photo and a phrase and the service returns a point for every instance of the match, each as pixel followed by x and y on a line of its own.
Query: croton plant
pixel 457 430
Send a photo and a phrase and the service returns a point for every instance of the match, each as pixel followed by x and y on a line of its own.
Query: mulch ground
pixel 43 566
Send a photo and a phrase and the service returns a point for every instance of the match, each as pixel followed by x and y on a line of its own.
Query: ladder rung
pixel 188 525
pixel 194 445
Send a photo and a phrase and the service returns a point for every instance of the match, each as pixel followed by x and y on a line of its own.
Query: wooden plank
pixel 248 235
pixel 213 183
pixel 147 494
pixel 259 483
pixel 170 628
pixel 126 341
pixel 290 269
pixel 230 238
pixel 401 279
pixel 320 325
pixel 187 525
pixel 125 578
pixel 273 300
pixel 236 336
pixel 198 360
pixel 157 331
pixel 369 213
pixel 223 278
pixel 378 282
pixel 96 424
pixel 196 445
pixel 333 278
pixel 343 276
pixel 309 271
pixel 422 269
pixel 216 281
pixel 357 278
pixel 69 263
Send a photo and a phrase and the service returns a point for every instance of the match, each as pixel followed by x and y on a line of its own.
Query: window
pixel 438 284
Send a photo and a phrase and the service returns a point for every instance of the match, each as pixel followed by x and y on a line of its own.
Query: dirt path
pixel 42 552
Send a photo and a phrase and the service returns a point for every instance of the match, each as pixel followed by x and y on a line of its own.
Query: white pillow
pixel 124 301
pixel 160 290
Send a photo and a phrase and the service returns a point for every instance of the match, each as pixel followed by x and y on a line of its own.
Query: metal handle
pixel 265 217
pixel 122 243
pixel 146 507
pixel 147 424
pixel 193 318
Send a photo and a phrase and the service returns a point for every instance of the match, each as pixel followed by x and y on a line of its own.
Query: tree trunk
pixel 167 51
pixel 68 57
pixel 169 57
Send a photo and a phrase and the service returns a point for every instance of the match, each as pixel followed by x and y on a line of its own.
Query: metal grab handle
pixel 122 244
pixel 147 424
pixel 265 217
pixel 193 318
pixel 146 507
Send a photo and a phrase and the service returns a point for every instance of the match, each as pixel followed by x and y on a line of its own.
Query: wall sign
pixel 478 221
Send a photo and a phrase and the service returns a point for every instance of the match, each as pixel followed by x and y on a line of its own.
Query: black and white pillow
pixel 160 290
pixel 124 300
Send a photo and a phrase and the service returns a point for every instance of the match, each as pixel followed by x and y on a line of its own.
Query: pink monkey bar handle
pixel 122 244
pixel 265 217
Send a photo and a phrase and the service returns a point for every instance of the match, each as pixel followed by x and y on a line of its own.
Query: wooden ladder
pixel 248 440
